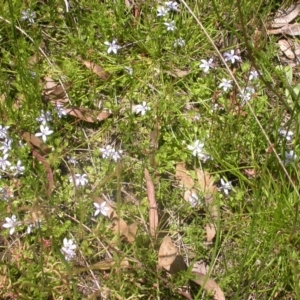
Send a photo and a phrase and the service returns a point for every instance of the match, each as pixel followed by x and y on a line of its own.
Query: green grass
pixel 256 249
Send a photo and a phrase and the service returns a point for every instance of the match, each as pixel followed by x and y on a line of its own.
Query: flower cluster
pixel 6 145
pixel 68 249
pixel 110 153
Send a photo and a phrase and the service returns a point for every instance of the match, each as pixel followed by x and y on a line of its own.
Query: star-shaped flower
pixel 171 5
pixel 68 249
pixel 18 169
pixel 170 25
pixel 141 108
pixel 4 162
pixel 28 15
pixel 162 11
pixel 179 43
pixel 289 157
pixel 225 186
pixel 80 179
pixel 102 209
pixel 3 132
pixel 206 65
pixel 225 85
pixel 113 47
pixel 197 150
pixel 11 223
pixel 231 56
pixel 288 135
pixel 45 130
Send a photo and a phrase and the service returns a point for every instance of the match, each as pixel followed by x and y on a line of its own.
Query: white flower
pixel 4 162
pixel 193 199
pixel 116 155
pixel 246 94
pixel 3 132
pixel 60 110
pixel 28 15
pixel 129 70
pixel 206 65
pixel 231 56
pixel 225 186
pixel 36 224
pixel 197 148
pixel 109 152
pixel 68 249
pixel 112 47
pixel 170 26
pixel 179 43
pixel 101 209
pixel 253 75
pixel 18 169
pixel 44 117
pixel 72 160
pixel 11 223
pixel 162 11
pixel 141 108
pixel 80 179
pixel 171 5
pixel 44 132
pixel 289 157
pixel 6 146
pixel 225 84
pixel 288 135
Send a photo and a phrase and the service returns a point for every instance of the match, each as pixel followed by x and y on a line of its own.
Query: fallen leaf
pixel 153 214
pixel 289 29
pixel 54 90
pixel 209 285
pixel 207 186
pixel 96 69
pixel 166 253
pixel 48 169
pixel 286 48
pixel 283 17
pixel 103 265
pixel 183 176
pixel 177 73
pixel 210 232
pixel 87 115
pixel 34 141
pixel 200 267
pixel 177 265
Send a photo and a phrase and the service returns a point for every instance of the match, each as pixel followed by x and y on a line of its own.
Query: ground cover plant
pixel 149 150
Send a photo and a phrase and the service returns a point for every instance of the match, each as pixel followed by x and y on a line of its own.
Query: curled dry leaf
pixel 87 115
pixel 283 17
pixel 167 253
pixel 182 175
pixel 34 141
pixel 289 29
pixel 209 285
pixel 286 48
pixel 153 214
pixel 96 69
pixel 177 73
pixel 54 90
pixel 207 186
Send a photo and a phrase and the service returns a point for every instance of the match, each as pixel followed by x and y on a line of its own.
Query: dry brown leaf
pixel 167 253
pixel 286 48
pixel 210 232
pixel 87 115
pixel 153 214
pixel 96 69
pixel 289 29
pixel 283 17
pixel 183 176
pixel 209 285
pixel 177 265
pixel 54 90
pixel 200 267
pixel 177 73
pixel 34 141
pixel 206 183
